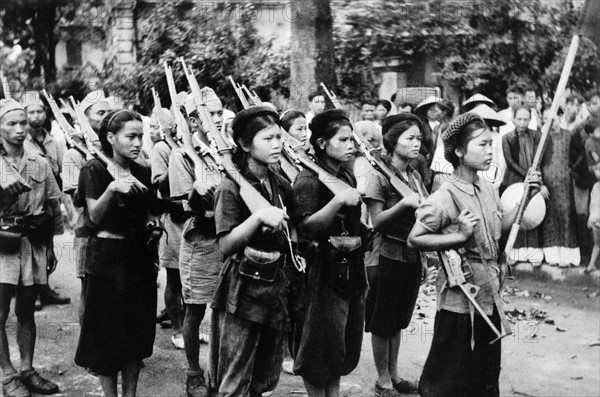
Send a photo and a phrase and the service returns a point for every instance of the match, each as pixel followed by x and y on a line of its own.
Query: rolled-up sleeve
pixel 306 197
pixel 228 207
pixel 432 215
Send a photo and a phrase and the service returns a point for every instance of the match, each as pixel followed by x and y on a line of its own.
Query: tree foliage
pixel 215 39
pixel 477 45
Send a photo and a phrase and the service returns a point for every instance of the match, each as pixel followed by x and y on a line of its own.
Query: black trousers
pixel 452 368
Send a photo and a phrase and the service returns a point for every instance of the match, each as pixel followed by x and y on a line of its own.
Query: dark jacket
pixel 510 147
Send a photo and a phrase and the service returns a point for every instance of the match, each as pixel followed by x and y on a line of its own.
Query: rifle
pixel 89 134
pixel 289 162
pixel 64 125
pixel 167 137
pixel 209 159
pixel 68 107
pixel 251 197
pixel 457 275
pixel 239 93
pixel 367 150
pixel 296 155
pixel 251 95
pixel 5 85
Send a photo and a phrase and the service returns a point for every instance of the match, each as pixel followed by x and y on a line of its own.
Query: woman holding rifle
pixel 329 335
pixel 118 325
pixel 394 282
pixel 465 214
pixel 250 319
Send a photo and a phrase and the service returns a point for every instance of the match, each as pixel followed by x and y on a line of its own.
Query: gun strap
pixel 404 179
pixel 486 266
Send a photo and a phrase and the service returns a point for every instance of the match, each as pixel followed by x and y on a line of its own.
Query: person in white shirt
pixel 515 97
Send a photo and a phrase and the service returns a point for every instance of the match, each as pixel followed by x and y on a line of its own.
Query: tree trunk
pixel 43 33
pixel 312 58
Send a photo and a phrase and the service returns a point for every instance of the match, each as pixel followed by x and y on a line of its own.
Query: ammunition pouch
pixel 12 228
pixel 343 270
pixel 260 265
pixel 10 239
pixel 38 228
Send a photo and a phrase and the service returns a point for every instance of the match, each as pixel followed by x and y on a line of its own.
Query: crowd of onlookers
pixel 570 162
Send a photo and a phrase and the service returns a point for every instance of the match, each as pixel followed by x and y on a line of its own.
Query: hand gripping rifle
pixel 89 134
pixel 67 129
pixel 251 197
pixel 457 275
pixel 287 167
pixel 165 134
pixel 367 150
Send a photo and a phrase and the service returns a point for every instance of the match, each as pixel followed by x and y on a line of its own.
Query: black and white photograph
pixel 320 198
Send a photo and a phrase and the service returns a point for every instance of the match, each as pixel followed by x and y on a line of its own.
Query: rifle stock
pixel 367 150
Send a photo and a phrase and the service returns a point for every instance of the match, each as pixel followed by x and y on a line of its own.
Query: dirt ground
pixel 557 354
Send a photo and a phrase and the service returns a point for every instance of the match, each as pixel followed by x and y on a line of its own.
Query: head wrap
pixel 114 103
pixel 92 98
pixel 454 132
pixel 163 116
pixel 31 98
pixel 9 105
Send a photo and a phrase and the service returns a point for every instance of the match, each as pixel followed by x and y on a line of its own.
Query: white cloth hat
pixel 163 116
pixel 31 98
pixel 114 103
pixel 93 98
pixel 207 94
pixel 9 105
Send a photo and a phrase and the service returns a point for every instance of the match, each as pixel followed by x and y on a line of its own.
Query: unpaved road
pixel 537 360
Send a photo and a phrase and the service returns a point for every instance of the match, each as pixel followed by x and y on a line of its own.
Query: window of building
pixel 74 53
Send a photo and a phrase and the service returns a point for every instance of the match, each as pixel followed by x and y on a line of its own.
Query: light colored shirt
pixel 393 242
pixel 53 151
pixel 43 197
pixel 439 213
pixel 159 161
pixel 73 162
